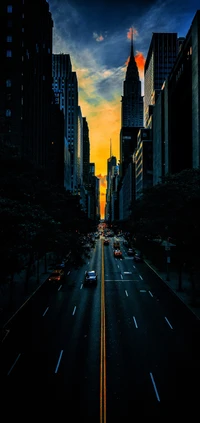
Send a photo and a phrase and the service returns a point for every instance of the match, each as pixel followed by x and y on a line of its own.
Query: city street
pixel 125 348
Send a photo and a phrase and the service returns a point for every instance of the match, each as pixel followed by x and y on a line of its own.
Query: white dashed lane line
pixel 154 385
pixel 134 319
pixel 74 311
pixel 126 293
pixel 151 293
pixel 168 323
pixel 141 277
pixel 13 364
pixel 45 311
pixel 58 364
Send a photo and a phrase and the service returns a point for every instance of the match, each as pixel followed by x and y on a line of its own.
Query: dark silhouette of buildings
pixel 26 79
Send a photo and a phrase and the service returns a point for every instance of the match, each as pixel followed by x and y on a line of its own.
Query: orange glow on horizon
pixel 103 115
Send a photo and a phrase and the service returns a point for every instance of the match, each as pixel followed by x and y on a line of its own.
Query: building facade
pixel 26 80
pixel 160 59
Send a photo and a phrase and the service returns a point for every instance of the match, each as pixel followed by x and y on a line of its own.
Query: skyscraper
pixel 160 59
pixel 26 78
pixel 86 152
pixel 132 101
pixel 65 87
pixel 61 69
pixel 131 112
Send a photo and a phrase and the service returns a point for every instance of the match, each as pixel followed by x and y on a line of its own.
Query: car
pixel 60 266
pixel 138 258
pixel 57 275
pixel 90 278
pixel 106 241
pixel 117 253
pixel 130 252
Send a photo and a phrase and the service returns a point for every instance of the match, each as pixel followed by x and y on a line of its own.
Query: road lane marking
pixel 74 311
pixel 7 331
pixel 126 292
pixel 13 364
pixel 121 276
pixel 154 385
pixel 58 363
pixel 81 286
pixel 151 293
pixel 141 277
pixel 133 266
pixel 102 346
pixel 143 290
pixel 127 273
pixel 135 322
pixel 59 287
pixel 118 266
pixel 45 311
pixel 119 280
pixel 168 323
pixel 68 272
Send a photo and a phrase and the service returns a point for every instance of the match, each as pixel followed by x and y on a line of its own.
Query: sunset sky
pixel 97 37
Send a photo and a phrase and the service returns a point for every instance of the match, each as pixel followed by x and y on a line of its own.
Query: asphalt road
pixel 146 345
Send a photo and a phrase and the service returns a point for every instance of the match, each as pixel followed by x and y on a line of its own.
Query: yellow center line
pixel 103 347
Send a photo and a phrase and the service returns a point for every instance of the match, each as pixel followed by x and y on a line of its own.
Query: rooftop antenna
pixel 110 148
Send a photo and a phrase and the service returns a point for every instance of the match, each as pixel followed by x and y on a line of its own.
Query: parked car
pixel 90 278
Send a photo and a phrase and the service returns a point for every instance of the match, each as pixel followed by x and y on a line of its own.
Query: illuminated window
pixel 8 53
pixel 9 38
pixel 9 8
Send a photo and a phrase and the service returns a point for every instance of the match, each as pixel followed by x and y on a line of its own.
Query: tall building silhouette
pixel 26 77
pixel 160 59
pixel 132 101
pixel 86 152
pixel 131 112
pixel 65 87
pixel 61 70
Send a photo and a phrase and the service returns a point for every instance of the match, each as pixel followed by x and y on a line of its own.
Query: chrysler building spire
pixel 131 55
pixel 132 101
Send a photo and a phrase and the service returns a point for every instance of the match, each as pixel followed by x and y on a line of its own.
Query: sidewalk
pixel 19 295
pixel 186 294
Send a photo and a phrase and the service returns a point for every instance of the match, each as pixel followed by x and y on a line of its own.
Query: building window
pixel 8 53
pixel 9 39
pixel 8 83
pixel 8 112
pixel 9 8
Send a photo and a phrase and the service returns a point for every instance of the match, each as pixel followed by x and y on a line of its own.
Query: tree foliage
pixel 35 216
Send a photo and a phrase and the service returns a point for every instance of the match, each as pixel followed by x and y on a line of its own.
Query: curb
pixel 172 290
